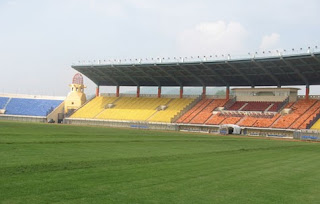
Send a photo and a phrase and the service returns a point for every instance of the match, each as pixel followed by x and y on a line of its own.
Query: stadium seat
pixel 186 118
pixel 132 109
pixel 31 107
pixel 3 101
pixel 206 113
pixel 299 109
pixel 255 106
pixel 174 107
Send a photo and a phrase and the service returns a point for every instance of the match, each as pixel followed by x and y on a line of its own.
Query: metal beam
pixel 104 76
pixel 193 75
pixel 310 67
pixel 297 71
pixel 275 79
pixel 239 72
pixel 216 74
pixel 169 75
pixel 314 57
pixel 148 75
pixel 127 75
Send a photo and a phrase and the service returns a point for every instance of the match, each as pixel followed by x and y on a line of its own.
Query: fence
pixel 309 135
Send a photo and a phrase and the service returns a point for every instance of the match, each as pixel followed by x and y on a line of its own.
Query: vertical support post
pixel 118 91
pixel 307 92
pixel 227 93
pixel 159 91
pixel 204 92
pixel 97 91
pixel 138 91
pixel 181 91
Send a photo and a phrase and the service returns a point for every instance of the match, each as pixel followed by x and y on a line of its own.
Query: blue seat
pixel 3 102
pixel 31 107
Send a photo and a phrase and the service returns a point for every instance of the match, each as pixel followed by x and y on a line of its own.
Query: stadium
pixel 87 115
pixel 137 148
pixel 266 109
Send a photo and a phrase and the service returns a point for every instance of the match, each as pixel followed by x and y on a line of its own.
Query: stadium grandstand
pixel 269 107
pixel 28 107
pixel 275 106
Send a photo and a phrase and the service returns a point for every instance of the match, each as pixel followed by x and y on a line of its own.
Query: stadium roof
pixel 299 69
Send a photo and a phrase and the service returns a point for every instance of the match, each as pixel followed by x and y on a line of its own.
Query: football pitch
pixel 42 163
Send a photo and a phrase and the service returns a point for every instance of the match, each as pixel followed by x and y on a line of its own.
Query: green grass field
pixel 41 163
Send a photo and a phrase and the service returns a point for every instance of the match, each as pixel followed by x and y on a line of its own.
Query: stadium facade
pixel 267 108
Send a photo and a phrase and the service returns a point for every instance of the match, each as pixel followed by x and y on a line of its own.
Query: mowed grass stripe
pixel 146 167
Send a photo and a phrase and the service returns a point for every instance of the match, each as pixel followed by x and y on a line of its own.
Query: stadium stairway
pixel 206 112
pixel 187 117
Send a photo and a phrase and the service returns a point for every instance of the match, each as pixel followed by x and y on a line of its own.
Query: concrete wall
pixel 262 98
pixel 24 118
pixel 54 114
pixel 123 124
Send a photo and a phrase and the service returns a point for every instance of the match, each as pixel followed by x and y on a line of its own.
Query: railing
pixel 248 113
pixel 310 97
pixel 283 104
pixel 199 59
pixel 230 103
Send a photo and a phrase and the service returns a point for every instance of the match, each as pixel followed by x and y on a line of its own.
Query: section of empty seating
pixel 174 107
pixel 135 109
pixel 215 119
pixel 31 107
pixel 275 107
pixel 206 113
pixel 237 105
pixel 301 122
pixel 187 117
pixel 132 109
pixel 265 122
pixel 248 121
pixel 299 109
pixel 231 120
pixel 93 108
pixel 3 102
pixel 255 106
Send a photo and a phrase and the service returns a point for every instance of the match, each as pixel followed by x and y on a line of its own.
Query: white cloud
pixel 270 42
pixel 213 38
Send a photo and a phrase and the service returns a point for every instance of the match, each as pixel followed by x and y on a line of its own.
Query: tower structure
pixel 76 97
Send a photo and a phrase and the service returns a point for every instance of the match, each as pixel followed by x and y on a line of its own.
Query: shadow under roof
pixel 301 69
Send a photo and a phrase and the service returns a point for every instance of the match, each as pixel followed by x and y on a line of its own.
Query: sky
pixel 40 39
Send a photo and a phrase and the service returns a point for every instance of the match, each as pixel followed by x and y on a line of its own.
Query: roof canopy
pixel 303 69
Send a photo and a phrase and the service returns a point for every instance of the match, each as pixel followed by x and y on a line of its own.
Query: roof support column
pixel 307 92
pixel 181 91
pixel 227 92
pixel 118 91
pixel 159 91
pixel 97 91
pixel 138 91
pixel 204 92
